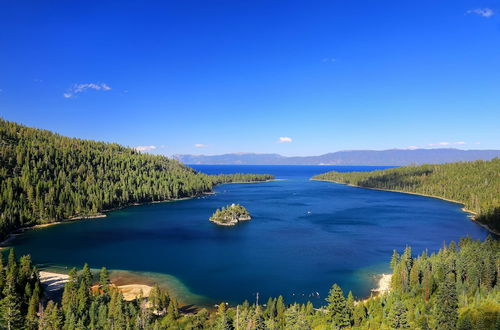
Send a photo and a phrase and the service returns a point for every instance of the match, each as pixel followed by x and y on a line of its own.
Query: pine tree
pixel 83 301
pixel 222 322
pixel 173 309
pixel 87 276
pixel 350 307
pixel 337 307
pixel 104 281
pixel 31 322
pixel 258 319
pixel 280 311
pixel 69 293
pixel 394 260
pixel 398 316
pixel 270 311
pixel 10 314
pixel 292 317
pixel 155 298
pixel 359 314
pixel 446 306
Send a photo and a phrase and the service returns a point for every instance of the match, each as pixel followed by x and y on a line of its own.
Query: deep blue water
pixel 305 235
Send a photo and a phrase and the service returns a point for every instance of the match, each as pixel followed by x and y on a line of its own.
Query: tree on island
pixel 230 215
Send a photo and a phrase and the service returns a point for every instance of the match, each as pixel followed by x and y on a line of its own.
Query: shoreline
pixel 383 287
pixel 102 214
pixel 133 286
pixel 471 214
pixel 53 284
pixel 383 284
pixel 242 182
pixel 99 215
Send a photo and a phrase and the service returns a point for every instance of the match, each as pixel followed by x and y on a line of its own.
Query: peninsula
pixel 230 215
pixel 474 184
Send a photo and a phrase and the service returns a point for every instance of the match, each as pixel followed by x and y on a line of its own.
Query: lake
pixel 304 236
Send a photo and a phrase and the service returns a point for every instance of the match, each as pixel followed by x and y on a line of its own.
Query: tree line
pixel 455 288
pixel 241 178
pixel 475 184
pixel 45 177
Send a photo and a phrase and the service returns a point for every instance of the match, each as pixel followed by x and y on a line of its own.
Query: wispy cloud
pixel 412 147
pixel 329 59
pixel 79 88
pixel 444 144
pixel 483 12
pixel 284 139
pixel 200 145
pixel 145 148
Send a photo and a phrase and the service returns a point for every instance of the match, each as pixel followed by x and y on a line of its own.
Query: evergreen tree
pixel 222 321
pixel 337 307
pixel 50 318
pixel 31 322
pixel 350 307
pixel 104 280
pixel 446 307
pixel 280 311
pixel 258 319
pixel 398 316
pixel 10 314
pixel 87 277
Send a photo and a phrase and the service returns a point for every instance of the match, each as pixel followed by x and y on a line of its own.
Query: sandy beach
pixel 53 284
pixel 53 281
pixel 384 284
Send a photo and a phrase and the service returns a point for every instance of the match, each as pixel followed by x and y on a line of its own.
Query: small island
pixel 230 215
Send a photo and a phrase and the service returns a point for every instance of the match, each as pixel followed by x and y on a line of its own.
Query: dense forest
pixel 455 288
pixel 475 184
pixel 241 178
pixel 45 177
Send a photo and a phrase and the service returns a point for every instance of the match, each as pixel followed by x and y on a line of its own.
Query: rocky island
pixel 230 215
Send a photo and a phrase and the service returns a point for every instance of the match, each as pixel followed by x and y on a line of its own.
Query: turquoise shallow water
pixel 305 235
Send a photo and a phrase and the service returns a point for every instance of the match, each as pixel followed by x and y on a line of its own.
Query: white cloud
pixel 200 145
pixel 444 144
pixel 79 88
pixel 145 148
pixel 484 12
pixel 412 147
pixel 284 139
pixel 329 59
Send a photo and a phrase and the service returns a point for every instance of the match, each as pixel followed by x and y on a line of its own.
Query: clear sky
pixel 291 77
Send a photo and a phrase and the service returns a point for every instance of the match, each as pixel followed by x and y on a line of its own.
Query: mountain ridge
pixel 394 157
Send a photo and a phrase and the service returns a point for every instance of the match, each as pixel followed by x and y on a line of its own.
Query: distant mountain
pixel 393 157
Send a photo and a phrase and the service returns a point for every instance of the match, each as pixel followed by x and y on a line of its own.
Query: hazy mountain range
pixel 352 157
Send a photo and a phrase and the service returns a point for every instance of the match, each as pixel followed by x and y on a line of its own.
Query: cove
pixel 304 236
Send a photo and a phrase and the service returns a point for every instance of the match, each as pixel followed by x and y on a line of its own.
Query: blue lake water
pixel 304 236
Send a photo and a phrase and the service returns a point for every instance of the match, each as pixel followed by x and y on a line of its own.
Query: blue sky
pixel 210 77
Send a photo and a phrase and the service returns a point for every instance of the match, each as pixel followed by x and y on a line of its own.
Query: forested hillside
pixel 456 288
pixel 45 177
pixel 475 184
pixel 241 178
